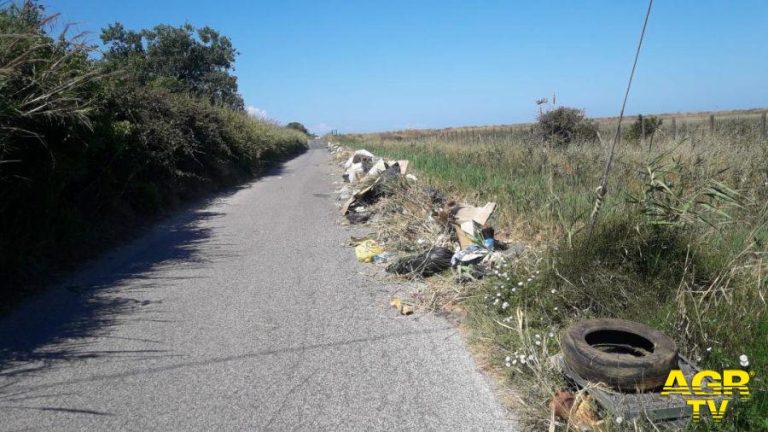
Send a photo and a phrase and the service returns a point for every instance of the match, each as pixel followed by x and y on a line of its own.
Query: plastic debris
pixel 368 249
pixel 472 254
pixel 404 307
pixel 488 241
pixel 357 157
pixel 426 264
pixel 379 167
pixel 354 173
pixel 382 257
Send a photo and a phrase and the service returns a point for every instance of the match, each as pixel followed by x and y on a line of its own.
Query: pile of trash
pixel 447 234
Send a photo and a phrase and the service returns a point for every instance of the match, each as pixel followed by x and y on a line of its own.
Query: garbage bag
pixel 357 157
pixel 426 264
pixel 354 172
pixel 368 249
pixel 387 181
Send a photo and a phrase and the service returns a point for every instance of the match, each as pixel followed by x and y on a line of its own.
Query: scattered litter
pixel 488 241
pixel 355 218
pixel 434 195
pixel 469 273
pixel 426 264
pixel 354 241
pixel 379 167
pixel 344 193
pixel 562 403
pixel 470 228
pixel 465 240
pixel 411 177
pixel 382 257
pixel 353 173
pixel 471 255
pixel 403 164
pixel 403 306
pixel 477 214
pixel 368 249
pixel 357 157
pixel 578 410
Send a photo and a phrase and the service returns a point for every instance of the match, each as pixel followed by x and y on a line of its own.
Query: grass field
pixel 679 242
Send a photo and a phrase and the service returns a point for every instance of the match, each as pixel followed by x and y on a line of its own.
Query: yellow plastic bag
pixel 368 249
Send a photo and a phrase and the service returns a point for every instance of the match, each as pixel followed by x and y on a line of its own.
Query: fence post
pixel 674 129
pixel 711 123
pixel 763 125
pixel 642 130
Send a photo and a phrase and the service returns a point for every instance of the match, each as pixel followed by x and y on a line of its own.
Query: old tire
pixel 625 355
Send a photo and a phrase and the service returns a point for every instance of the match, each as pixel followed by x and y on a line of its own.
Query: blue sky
pixel 379 65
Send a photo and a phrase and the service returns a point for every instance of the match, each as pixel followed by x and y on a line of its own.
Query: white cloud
pixel 256 112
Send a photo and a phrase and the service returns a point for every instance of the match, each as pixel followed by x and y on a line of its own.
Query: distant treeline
pixel 93 145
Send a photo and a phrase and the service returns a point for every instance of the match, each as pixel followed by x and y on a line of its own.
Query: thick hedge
pixel 92 148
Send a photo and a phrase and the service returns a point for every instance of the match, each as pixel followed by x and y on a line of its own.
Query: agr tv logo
pixel 711 385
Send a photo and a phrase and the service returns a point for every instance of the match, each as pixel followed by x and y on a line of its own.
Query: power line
pixel 602 190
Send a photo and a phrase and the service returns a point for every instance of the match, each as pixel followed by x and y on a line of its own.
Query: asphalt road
pixel 244 313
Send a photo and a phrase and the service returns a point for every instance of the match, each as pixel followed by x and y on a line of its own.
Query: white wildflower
pixel 504 305
pixel 619 420
pixel 744 360
pixel 519 284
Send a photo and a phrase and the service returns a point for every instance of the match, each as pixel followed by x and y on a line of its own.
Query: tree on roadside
pixel 180 59
pixel 297 126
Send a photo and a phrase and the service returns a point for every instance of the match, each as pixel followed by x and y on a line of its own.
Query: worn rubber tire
pixel 625 372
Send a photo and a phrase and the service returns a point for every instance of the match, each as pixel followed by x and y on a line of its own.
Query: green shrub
pixel 651 123
pixel 563 125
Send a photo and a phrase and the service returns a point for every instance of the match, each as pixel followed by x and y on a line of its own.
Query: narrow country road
pixel 245 313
